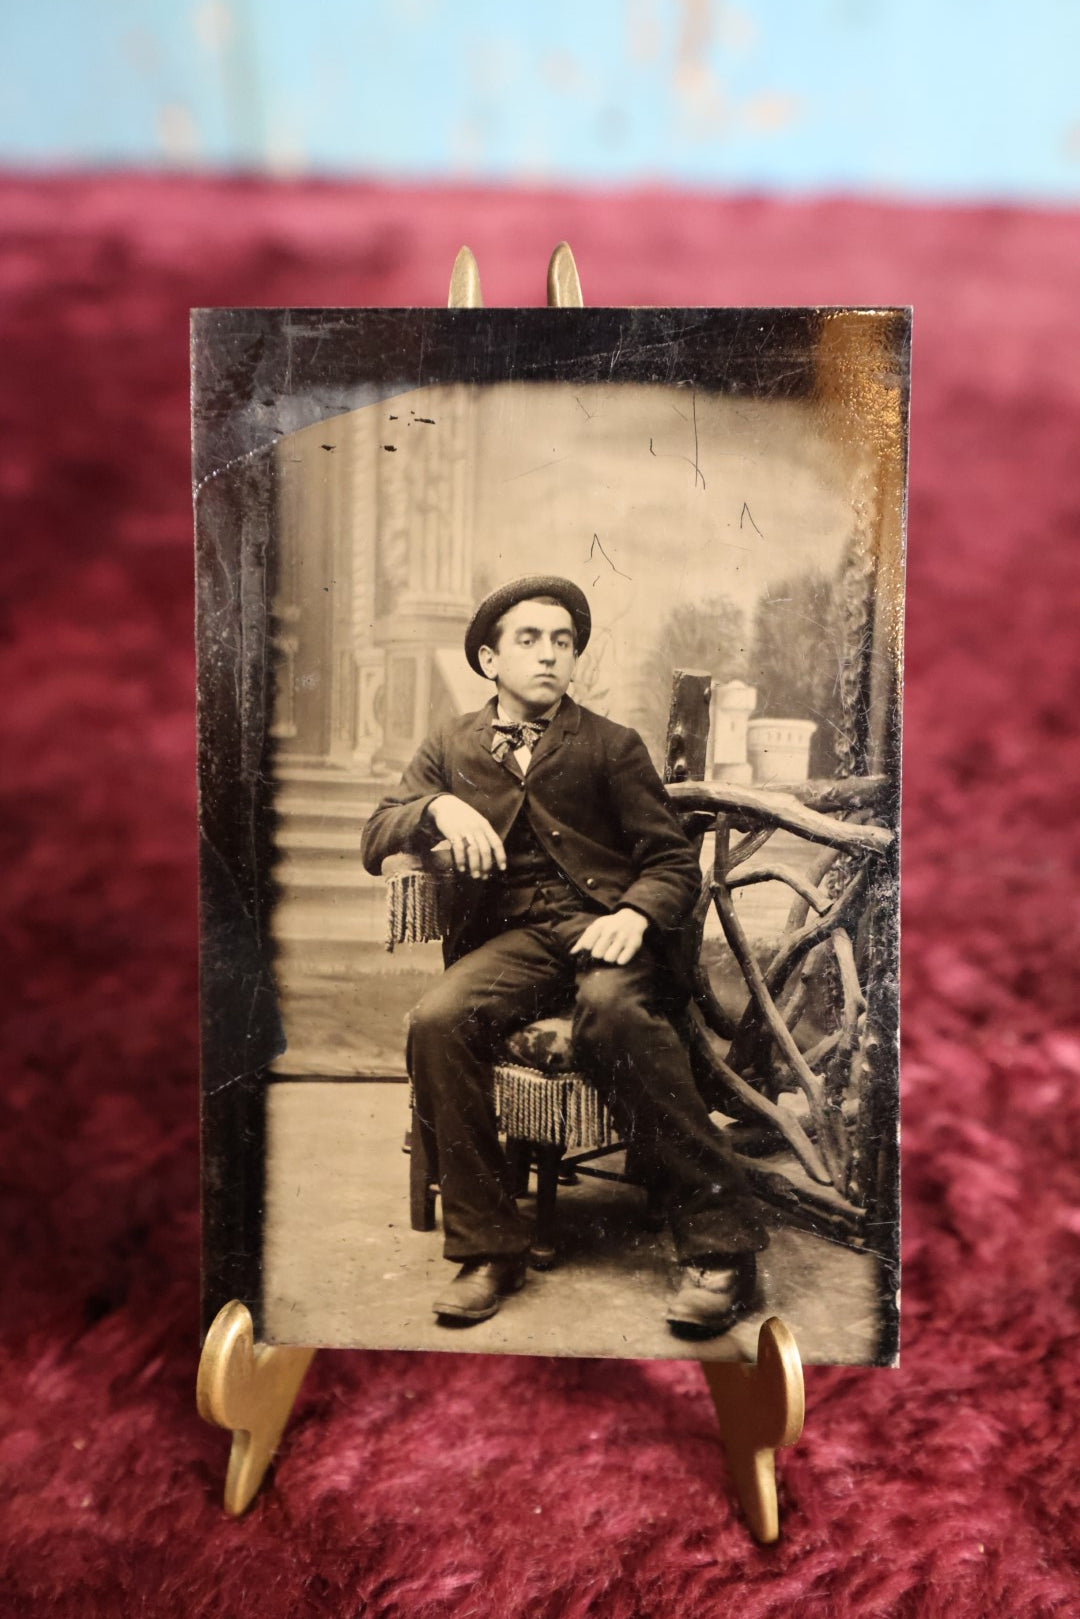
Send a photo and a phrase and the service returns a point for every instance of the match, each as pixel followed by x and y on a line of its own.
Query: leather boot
pixel 479 1287
pixel 712 1296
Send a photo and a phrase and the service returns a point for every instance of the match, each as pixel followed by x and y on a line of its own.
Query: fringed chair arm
pixel 417 897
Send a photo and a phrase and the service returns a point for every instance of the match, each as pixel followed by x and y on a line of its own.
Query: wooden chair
pixel 816 1019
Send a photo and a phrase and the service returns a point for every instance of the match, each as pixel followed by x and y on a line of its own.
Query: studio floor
pixel 343 1267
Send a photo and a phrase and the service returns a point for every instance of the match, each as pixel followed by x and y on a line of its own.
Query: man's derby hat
pixel 492 608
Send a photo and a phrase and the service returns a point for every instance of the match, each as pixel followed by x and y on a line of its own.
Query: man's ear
pixel 488 662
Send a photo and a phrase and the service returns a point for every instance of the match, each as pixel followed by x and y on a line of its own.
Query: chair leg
pixel 422 1175
pixel 654 1209
pixel 519 1156
pixel 548 1158
pixel 634 1168
pixel 654 1202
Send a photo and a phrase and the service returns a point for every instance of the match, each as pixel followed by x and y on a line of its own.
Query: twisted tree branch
pixel 784 874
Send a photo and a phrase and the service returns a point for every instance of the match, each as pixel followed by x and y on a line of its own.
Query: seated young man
pixel 576 880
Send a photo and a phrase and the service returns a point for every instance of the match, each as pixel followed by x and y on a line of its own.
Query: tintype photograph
pixel 549 730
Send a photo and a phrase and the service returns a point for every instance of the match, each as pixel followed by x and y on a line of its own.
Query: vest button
pixel 590 882
pixel 555 834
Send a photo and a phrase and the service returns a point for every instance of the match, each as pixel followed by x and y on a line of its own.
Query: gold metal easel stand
pixel 250 1388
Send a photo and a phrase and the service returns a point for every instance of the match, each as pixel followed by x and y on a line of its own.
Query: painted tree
pixel 796 659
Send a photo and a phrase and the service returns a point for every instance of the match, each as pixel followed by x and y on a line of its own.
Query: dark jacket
pixel 595 803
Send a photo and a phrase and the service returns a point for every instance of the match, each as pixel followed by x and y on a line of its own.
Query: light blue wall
pixel 953 98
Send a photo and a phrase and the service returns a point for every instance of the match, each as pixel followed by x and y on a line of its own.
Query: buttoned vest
pixel 532 881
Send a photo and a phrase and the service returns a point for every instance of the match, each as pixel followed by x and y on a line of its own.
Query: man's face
pixel 534 660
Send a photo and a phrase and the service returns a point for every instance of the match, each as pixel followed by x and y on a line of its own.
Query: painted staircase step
pixel 319 840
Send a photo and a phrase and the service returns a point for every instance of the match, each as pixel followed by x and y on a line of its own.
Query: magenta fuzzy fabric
pixel 456 1485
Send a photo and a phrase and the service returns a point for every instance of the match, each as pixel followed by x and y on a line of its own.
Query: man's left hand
pixel 615 939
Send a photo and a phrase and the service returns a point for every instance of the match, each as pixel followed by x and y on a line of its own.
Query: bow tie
pixel 514 734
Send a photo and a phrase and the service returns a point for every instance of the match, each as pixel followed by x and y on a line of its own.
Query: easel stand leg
pixel 760 1409
pixel 250 1388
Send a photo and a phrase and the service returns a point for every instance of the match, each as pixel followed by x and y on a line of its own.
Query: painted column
pixel 732 705
pixel 423 595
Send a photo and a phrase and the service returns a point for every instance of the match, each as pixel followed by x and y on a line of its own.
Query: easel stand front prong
pixel 250 1388
pixel 760 1409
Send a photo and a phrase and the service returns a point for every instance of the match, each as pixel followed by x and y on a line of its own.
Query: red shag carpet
pixel 453 1485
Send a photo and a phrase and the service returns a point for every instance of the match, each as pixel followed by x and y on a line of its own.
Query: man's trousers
pixel 626 1045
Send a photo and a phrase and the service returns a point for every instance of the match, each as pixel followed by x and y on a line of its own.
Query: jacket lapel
pixel 565 723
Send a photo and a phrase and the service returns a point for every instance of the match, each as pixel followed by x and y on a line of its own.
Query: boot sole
pixel 684 1328
pixel 704 1326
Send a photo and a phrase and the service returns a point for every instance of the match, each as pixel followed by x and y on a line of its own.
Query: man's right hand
pixel 474 842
